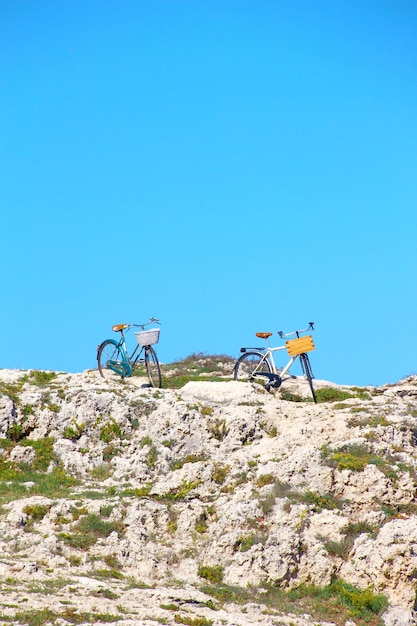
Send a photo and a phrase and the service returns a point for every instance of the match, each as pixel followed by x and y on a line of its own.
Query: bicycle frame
pixel 125 368
pixel 296 348
pixel 129 361
pixel 268 355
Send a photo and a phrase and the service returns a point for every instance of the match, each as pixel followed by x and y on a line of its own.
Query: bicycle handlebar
pixel 152 320
pixel 295 332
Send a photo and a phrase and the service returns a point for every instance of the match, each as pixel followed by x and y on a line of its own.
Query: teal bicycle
pixel 113 357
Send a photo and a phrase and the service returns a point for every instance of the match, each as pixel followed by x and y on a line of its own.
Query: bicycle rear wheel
pixel 111 361
pixel 152 367
pixel 249 364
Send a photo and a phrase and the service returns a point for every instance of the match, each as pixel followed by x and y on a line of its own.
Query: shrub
pixel 35 513
pixel 360 602
pixel 220 473
pixel 73 432
pixel 265 479
pixel 217 428
pixel 88 530
pixel 243 544
pixel 353 457
pixel 190 458
pixel 326 501
pixel 289 396
pixel 41 378
pixel 152 457
pixel 213 574
pixel 179 493
pixel 110 431
pixel 331 394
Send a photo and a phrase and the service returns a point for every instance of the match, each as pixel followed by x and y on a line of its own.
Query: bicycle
pixel 260 361
pixel 113 356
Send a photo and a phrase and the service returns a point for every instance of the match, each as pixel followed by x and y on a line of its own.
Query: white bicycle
pixel 260 361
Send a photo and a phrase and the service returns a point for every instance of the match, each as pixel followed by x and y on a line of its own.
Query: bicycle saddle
pixel 263 335
pixel 118 327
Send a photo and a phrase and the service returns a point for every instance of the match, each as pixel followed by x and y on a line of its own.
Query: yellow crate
pixel 300 345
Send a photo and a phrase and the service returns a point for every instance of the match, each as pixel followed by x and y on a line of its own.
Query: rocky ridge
pixel 207 504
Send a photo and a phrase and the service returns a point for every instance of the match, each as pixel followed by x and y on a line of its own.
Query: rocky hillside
pixel 206 503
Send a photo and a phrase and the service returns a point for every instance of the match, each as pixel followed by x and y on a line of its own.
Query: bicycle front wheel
pixel 152 367
pixel 249 364
pixel 111 361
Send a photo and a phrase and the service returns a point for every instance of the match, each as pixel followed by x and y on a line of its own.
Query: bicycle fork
pixel 308 373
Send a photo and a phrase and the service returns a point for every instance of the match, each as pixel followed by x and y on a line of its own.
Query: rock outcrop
pixel 119 499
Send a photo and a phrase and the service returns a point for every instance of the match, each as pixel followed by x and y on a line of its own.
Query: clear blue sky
pixel 227 166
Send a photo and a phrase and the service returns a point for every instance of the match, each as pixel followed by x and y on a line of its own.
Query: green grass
pixel 192 621
pixel 12 390
pixel 352 531
pixel 283 490
pixel 338 601
pixel 88 530
pixel 54 484
pixel 190 458
pixel 41 378
pixel 332 394
pixel 197 367
pixel 70 615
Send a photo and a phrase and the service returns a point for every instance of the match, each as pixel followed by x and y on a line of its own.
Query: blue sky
pixel 227 166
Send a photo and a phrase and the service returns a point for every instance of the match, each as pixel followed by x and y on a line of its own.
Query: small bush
pixel 213 574
pixel 243 544
pixel 361 602
pixel 220 473
pixel 73 432
pixel 152 457
pixel 15 433
pixel 201 523
pixel 35 513
pixel 289 396
pixel 41 378
pixel 326 501
pixel 179 493
pixel 217 428
pixel 88 530
pixel 102 471
pixel 190 458
pixel 110 431
pixel 331 394
pixel 265 479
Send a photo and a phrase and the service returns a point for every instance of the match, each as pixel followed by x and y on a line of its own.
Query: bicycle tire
pixel 248 364
pixel 111 360
pixel 152 367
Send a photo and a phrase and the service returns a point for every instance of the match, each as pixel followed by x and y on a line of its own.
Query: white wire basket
pixel 148 337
